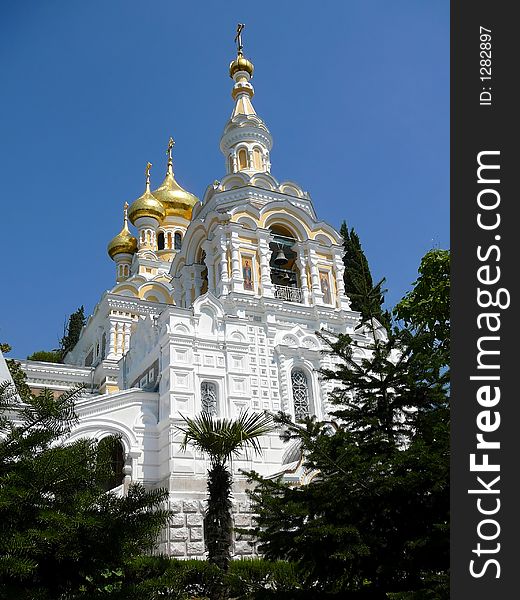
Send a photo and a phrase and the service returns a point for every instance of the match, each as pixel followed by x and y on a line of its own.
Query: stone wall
pixel 184 537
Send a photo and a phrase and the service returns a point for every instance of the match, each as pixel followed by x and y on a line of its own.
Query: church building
pixel 215 307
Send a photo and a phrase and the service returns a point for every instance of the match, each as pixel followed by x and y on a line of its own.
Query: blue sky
pixel 355 93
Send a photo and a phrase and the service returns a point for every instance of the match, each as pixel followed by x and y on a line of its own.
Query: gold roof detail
pixel 175 199
pixel 146 205
pixel 124 242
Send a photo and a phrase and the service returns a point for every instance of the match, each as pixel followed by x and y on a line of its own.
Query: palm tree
pixel 221 439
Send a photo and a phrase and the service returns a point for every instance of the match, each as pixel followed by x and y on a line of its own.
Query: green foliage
pixel 365 297
pixel 427 307
pixel 221 439
pixel 155 577
pixel 52 356
pixel 375 519
pixel 74 327
pixel 59 532
pixel 253 579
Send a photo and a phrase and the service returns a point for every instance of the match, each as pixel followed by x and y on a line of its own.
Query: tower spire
pixel 147 172
pixel 171 144
pixel 125 212
pixel 246 141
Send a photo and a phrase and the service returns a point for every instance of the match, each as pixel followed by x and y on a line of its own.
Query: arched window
pixel 177 241
pixel 300 393
pixel 242 158
pixel 169 240
pixel 285 274
pixel 160 241
pixel 111 450
pixel 257 159
pixel 103 345
pixel 208 393
pixel 231 163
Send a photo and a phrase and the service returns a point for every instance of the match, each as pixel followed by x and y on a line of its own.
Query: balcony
pixel 291 294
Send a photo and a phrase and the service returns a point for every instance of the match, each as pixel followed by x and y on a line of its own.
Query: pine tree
pixel 374 520
pixel 61 535
pixel 365 297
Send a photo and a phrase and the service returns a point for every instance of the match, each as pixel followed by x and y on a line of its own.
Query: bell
pixel 285 277
pixel 280 259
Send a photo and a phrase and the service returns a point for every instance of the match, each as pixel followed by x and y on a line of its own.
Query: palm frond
pixel 221 439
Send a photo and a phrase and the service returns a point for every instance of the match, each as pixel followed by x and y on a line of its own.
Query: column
pixel 112 341
pixel 237 280
pixel 224 275
pixel 197 279
pixel 187 285
pixel 126 337
pixel 265 270
pixel 315 277
pixel 301 266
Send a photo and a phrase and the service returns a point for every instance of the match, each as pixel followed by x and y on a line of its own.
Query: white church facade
pixel 215 308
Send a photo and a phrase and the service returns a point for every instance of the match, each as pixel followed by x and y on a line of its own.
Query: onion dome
pixel 124 242
pixel 241 63
pixel 175 199
pixel 146 205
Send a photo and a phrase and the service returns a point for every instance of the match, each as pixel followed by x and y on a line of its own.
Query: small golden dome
pixel 241 64
pixel 175 199
pixel 124 242
pixel 146 205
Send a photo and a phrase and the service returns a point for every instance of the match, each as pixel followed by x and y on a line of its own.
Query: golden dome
pixel 124 242
pixel 175 199
pixel 241 64
pixel 146 205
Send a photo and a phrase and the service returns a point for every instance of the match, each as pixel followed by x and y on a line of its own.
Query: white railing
pixel 292 294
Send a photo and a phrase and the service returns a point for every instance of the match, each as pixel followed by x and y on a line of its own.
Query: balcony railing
pixel 292 294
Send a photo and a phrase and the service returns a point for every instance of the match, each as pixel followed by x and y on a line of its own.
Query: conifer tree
pixel 374 520
pixel 61 535
pixel 74 327
pixel 365 297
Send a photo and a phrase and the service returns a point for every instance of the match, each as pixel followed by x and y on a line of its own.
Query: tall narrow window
pixel 242 158
pixel 208 392
pixel 177 241
pixel 300 392
pixel 257 159
pixel 160 241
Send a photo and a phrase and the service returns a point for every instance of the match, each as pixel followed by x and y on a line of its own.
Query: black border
pixel 476 128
